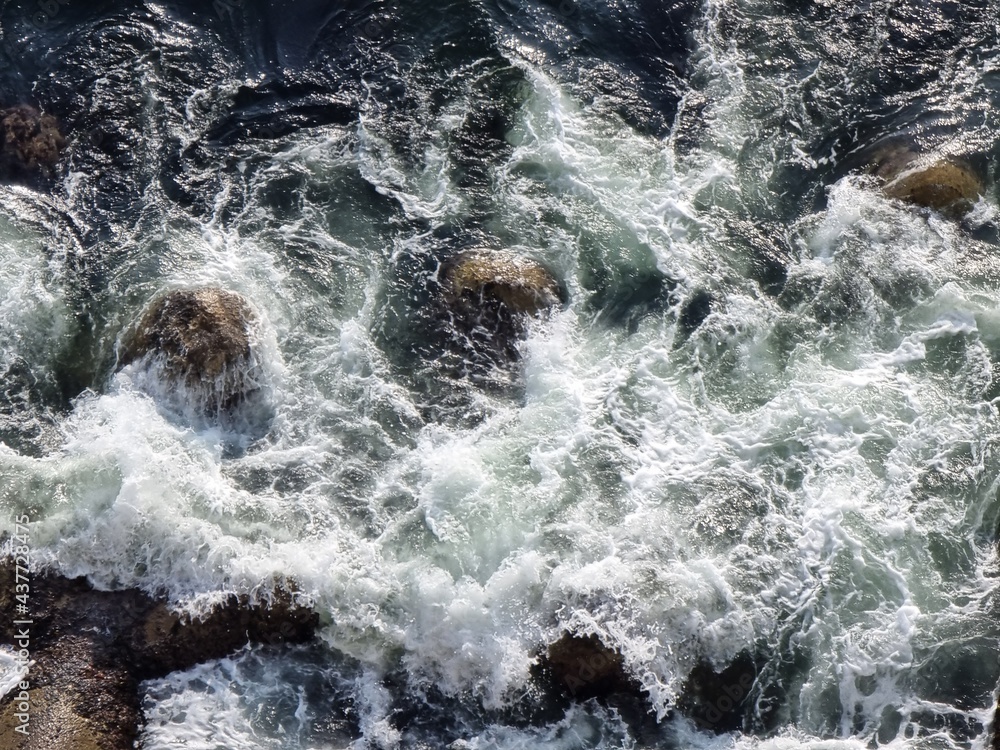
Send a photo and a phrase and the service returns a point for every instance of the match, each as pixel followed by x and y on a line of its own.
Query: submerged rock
pixel 693 312
pixel 487 280
pixel 583 667
pixel 767 249
pixel 578 668
pixel 93 648
pixel 32 143
pixel 200 338
pixel 720 701
pixel 470 326
pixel 946 184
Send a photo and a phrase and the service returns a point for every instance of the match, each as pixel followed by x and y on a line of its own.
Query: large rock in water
pixel 946 184
pixel 91 649
pixel 578 668
pixel 720 701
pixel 31 145
pixel 200 338
pixel 500 281
pixel 583 667
pixel 483 303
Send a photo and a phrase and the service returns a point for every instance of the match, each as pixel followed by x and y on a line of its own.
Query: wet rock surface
pixel 947 184
pixel 577 668
pixel 453 324
pixel 32 143
pixel 93 648
pixel 200 333
pixel 80 699
pixel 583 667
pixel 199 340
pixel 488 297
pixel 720 701
pixel 486 280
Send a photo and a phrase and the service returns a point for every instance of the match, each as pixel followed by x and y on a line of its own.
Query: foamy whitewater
pixel 809 473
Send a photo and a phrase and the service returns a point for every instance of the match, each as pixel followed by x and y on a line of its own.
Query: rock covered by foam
pixel 200 340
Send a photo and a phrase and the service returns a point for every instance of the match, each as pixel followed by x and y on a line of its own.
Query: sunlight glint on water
pixel 808 476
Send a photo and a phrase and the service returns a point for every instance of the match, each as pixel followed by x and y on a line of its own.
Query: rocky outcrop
pixel 92 649
pixel 720 701
pixel 32 143
pixel 488 298
pixel 583 667
pixel 576 668
pixel 455 326
pixel 199 338
pixel 946 184
pixel 200 333
pixel 500 281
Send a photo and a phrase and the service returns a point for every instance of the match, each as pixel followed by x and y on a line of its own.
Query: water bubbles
pixel 748 445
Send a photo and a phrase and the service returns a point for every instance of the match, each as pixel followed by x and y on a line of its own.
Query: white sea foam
pixel 814 474
pixel 12 671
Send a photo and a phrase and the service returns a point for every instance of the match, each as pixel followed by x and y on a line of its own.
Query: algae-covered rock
pixel 200 333
pixel 32 143
pixel 91 650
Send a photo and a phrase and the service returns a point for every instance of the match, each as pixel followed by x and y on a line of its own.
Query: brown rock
pixel 167 642
pixel 201 333
pixel 54 723
pixel 520 284
pixel 200 338
pixel 93 648
pixel 79 700
pixel 482 303
pixel 32 143
pixel 946 184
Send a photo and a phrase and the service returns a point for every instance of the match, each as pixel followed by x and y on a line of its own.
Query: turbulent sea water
pixel 764 422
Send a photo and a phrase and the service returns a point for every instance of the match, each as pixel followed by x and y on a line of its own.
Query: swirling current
pixel 762 428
